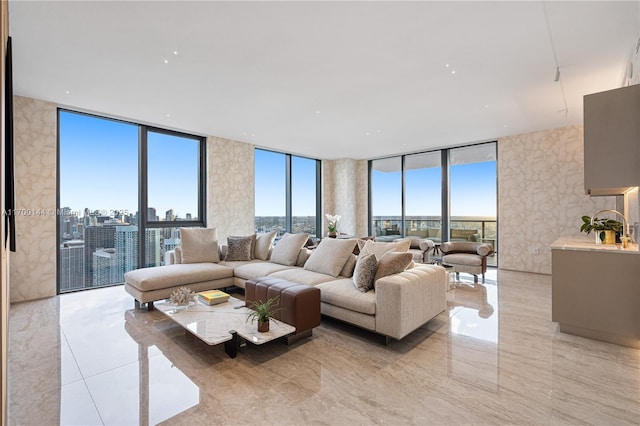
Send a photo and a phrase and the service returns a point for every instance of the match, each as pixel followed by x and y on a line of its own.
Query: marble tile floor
pixel 494 357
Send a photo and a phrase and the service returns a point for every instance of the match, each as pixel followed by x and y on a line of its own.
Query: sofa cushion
pixel 330 256
pixel 302 276
pixel 393 263
pixel 380 248
pixel 263 245
pixel 258 269
pixel 365 272
pixel 199 245
pixel 159 277
pixel 288 248
pixel 349 266
pixel 344 294
pixel 240 248
pixel 467 259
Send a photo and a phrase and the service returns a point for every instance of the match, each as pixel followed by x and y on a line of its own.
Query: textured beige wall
pixel 541 195
pixel 33 265
pixel 344 192
pixel 230 187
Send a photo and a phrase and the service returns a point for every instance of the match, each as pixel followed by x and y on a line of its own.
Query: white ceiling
pixel 326 79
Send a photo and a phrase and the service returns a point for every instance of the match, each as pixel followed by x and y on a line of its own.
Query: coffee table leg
pixel 231 346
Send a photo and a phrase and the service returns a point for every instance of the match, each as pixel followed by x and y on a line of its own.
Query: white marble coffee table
pixel 223 323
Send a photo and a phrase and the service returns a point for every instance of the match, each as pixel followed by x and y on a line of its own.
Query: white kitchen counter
pixel 583 244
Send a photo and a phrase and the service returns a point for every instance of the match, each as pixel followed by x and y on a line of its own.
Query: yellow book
pixel 213 297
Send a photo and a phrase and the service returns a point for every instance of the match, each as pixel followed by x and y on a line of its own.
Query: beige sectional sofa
pixel 400 302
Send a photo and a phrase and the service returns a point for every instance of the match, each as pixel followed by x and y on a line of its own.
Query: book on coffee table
pixel 213 297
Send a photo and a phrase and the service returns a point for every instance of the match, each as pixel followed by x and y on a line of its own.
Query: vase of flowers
pixel 333 224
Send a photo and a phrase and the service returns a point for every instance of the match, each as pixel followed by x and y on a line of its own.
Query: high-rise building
pixel 169 215
pixel 96 237
pixel 152 216
pixel 127 244
pixel 72 265
pixel 105 271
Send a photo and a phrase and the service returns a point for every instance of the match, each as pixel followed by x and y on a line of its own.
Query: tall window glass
pixel 270 192
pixel 303 195
pixel 173 172
pixel 98 173
pixel 386 198
pixel 473 189
pixel 423 195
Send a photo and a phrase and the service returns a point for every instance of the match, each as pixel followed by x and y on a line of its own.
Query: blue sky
pixel 270 184
pixel 472 187
pixel 99 167
pixel 99 170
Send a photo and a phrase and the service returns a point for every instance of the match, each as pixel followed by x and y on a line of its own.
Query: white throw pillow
pixel 199 245
pixel 380 248
pixel 330 256
pixel 263 245
pixel 288 248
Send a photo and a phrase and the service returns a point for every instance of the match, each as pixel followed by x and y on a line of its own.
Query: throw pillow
pixel 239 248
pixel 392 263
pixel 349 266
pixel 199 245
pixel 365 272
pixel 263 245
pixel 330 256
pixel 303 256
pixel 380 248
pixel 287 250
pixel 177 254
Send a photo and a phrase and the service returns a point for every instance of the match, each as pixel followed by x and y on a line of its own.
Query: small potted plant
pixel 262 312
pixel 606 229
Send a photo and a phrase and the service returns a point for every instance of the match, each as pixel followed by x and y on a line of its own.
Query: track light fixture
pixel 557 74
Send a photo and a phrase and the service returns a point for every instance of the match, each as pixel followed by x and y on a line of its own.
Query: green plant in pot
pixel 606 229
pixel 262 312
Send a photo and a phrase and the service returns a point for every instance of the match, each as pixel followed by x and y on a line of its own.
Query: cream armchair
pixel 467 257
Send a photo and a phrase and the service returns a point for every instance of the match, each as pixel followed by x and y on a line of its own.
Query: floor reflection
pixel 493 357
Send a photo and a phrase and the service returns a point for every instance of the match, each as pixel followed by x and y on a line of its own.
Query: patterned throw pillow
pixel 392 263
pixel 239 248
pixel 365 272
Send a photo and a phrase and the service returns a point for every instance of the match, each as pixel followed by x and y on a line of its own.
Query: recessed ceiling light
pixel 378 131
pixel 67 92
pixel 453 71
pixel 486 106
pixel 166 61
pixel 175 52
pixel 317 111
pixel 168 115
pixel 447 65
pixel 367 133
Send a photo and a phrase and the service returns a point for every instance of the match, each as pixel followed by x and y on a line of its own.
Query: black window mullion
pixel 402 196
pixel 288 203
pixel 318 199
pixel 142 193
pixel 445 223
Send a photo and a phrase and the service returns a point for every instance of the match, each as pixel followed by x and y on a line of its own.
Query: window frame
pixel 143 222
pixel 288 190
pixel 445 187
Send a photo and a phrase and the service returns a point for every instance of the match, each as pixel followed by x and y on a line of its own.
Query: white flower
pixel 333 222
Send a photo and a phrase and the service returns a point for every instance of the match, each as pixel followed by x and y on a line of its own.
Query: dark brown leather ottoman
pixel 298 304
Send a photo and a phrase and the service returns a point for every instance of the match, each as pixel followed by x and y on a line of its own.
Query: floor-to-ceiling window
pixel 110 171
pixel 443 195
pixel 423 194
pixel 286 193
pixel 473 189
pixel 386 198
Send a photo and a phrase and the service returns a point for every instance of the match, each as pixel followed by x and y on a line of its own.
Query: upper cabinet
pixel 612 141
